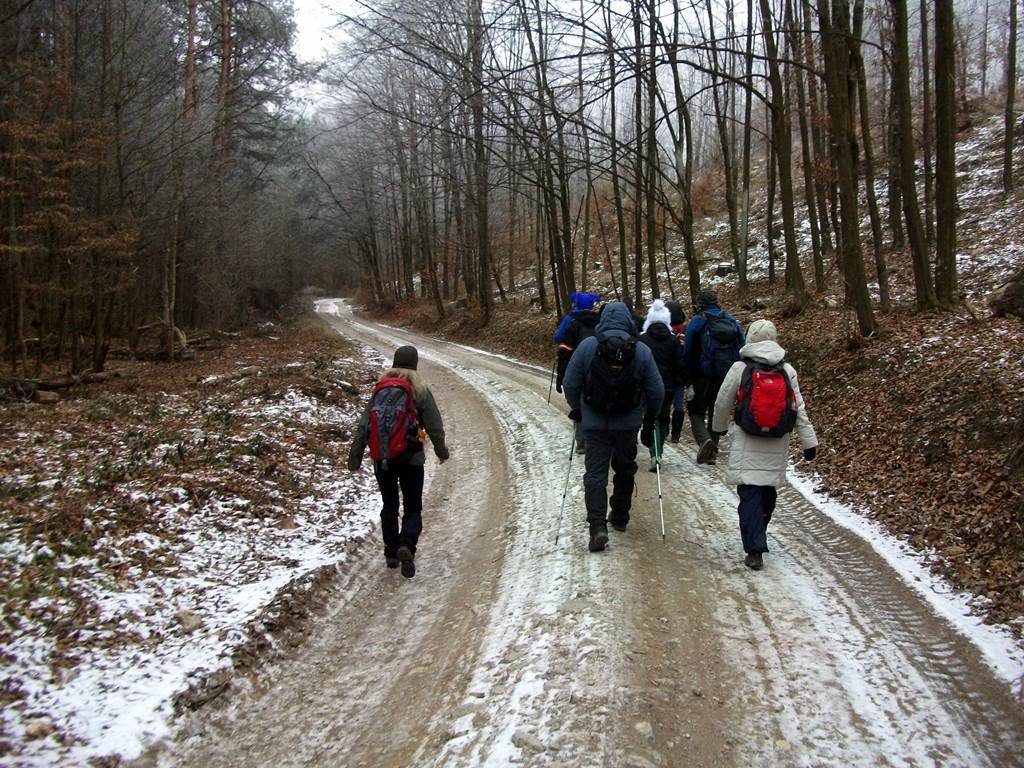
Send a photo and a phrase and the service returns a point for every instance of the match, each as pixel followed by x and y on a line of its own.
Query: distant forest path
pixel 509 648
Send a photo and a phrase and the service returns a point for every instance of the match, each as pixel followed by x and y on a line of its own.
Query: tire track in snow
pixel 847 665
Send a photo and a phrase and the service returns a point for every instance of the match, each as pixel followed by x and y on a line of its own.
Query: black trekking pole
pixel 657 466
pixel 550 383
pixel 572 450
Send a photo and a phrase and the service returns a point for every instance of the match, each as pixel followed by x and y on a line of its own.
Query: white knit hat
pixel 658 313
pixel 761 330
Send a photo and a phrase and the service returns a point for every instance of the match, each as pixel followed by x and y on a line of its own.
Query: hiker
pixel 574 328
pixel 712 344
pixel 613 387
pixel 678 325
pixel 767 405
pixel 668 356
pixel 393 424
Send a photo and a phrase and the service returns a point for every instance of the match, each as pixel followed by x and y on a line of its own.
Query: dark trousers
pixel 617 450
pixel 678 410
pixel 663 423
pixel 409 479
pixel 757 503
pixel 702 408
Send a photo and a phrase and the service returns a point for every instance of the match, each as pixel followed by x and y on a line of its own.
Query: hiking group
pixel 620 374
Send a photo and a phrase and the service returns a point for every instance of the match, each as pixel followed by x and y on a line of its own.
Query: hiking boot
pixel 674 438
pixel 753 561
pixel 391 561
pixel 618 521
pixel 598 539
pixel 707 451
pixel 405 557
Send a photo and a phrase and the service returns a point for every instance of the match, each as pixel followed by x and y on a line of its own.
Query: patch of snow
pixel 997 645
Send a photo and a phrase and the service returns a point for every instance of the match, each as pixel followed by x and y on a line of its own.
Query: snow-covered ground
pixel 190 591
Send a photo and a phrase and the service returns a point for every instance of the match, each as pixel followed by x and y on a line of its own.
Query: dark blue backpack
pixel 720 344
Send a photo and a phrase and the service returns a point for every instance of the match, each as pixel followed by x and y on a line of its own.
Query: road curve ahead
pixel 508 648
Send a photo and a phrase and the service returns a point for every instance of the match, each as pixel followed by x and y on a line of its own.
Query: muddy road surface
pixel 510 649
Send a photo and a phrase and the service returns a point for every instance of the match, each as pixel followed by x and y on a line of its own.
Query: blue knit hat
pixel 583 300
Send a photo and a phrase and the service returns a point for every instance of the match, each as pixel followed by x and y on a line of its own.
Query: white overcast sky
pixel 314 19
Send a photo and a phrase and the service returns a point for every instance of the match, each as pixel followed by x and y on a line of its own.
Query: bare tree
pixel 911 212
pixel 945 156
pixel 1011 91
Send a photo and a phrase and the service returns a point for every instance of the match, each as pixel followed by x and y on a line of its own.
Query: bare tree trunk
pixel 881 270
pixel 538 248
pixel 607 249
pixel 1011 92
pixel 945 154
pixel 480 173
pixel 652 151
pixel 748 132
pixel 683 146
pixel 822 180
pixel 721 123
pixel 589 196
pixel 984 52
pixel 894 184
pixel 805 147
pixel 926 127
pixel 915 231
pixel 838 46
pixel 638 152
pixel 172 255
pixel 769 216
pixel 620 217
pixel 781 136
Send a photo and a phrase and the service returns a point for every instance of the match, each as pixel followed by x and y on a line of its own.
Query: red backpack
pixel 392 422
pixel 765 402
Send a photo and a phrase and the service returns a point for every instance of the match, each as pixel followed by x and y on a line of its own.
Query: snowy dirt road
pixel 507 648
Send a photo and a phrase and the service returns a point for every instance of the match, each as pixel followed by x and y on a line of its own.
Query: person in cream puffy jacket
pixel 757 465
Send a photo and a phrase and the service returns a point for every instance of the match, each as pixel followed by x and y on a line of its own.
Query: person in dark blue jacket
pixel 611 425
pixel 576 326
pixel 712 345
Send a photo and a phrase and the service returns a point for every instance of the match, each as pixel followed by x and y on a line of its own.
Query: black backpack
pixel 612 385
pixel 720 345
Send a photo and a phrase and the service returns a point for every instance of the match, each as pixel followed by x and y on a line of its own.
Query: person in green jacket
pixel 402 472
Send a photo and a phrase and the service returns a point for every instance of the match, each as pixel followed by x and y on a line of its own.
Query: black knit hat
pixel 406 357
pixel 707 298
pixel 675 310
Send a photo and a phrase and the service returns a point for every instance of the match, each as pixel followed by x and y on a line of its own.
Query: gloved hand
pixel 576 415
pixel 810 453
pixel 441 451
pixel 647 434
pixel 558 387
pixel 354 462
